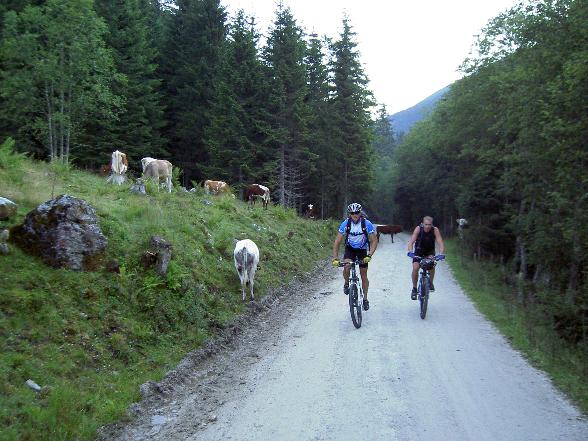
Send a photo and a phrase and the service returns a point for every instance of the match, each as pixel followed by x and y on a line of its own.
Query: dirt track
pixel 297 369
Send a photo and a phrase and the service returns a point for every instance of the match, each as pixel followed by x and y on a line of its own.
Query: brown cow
pixel 257 191
pixel 388 229
pixel 216 187
pixel 310 212
pixel 105 170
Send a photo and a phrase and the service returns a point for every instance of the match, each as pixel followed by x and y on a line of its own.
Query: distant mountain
pixel 405 119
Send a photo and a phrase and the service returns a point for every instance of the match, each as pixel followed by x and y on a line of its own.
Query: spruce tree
pixel 191 56
pixel 284 56
pixel 322 181
pixel 239 119
pixel 138 129
pixel 351 119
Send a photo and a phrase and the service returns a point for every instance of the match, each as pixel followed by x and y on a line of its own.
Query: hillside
pixel 94 337
pixel 405 119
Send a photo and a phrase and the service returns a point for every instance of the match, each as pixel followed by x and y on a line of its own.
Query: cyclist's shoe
pixel 366 304
pixel 346 289
pixel 431 286
pixel 413 294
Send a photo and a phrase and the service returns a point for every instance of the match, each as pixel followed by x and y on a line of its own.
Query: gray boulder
pixel 138 187
pixel 64 232
pixel 7 208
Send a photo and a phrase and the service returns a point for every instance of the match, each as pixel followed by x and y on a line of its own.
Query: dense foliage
pixel 507 150
pixel 181 80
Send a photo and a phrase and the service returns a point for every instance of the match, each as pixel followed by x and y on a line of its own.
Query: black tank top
pixel 425 244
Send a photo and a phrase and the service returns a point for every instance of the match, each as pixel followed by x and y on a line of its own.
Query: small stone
pixel 158 420
pixel 7 208
pixel 30 383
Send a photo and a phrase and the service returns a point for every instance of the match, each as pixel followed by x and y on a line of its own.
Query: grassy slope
pixel 566 364
pixel 94 337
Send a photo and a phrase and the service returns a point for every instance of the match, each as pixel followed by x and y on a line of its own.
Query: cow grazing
pixel 159 168
pixel 105 170
pixel 310 212
pixel 118 167
pixel 388 229
pixel 257 191
pixel 216 187
pixel 145 161
pixel 246 256
pixel 461 224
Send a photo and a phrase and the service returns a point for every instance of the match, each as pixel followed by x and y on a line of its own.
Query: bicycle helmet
pixel 354 208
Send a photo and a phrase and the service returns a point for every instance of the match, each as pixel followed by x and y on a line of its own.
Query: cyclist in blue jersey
pixel 361 242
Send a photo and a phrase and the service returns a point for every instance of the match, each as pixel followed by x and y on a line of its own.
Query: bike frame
pixel 354 278
pixel 355 307
pixel 424 277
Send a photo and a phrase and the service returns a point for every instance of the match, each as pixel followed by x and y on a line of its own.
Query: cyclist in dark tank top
pixel 424 237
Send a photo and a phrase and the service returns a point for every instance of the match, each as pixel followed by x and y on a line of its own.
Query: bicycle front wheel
pixel 424 297
pixel 354 306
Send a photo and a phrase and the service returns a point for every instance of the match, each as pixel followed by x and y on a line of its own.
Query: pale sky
pixel 409 48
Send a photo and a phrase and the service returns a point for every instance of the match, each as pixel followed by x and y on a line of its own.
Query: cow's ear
pixel 235 240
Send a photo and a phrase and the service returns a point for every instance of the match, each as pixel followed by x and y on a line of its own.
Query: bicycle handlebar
pixel 342 264
pixel 414 256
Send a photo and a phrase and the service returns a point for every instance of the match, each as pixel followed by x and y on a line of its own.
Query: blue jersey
pixel 356 237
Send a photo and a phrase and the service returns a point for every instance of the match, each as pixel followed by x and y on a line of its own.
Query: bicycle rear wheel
pixel 424 297
pixel 354 306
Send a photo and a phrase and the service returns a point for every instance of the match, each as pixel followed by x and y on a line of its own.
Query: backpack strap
pixel 347 230
pixel 364 230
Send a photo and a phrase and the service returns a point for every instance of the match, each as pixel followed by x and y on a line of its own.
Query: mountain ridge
pixel 403 121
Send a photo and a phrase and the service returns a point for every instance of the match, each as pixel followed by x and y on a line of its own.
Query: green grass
pixel 527 328
pixel 94 337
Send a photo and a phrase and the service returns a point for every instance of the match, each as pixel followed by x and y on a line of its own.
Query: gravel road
pixel 301 371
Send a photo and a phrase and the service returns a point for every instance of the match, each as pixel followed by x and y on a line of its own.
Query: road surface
pixel 450 377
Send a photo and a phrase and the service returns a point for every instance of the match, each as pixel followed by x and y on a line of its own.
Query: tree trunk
pixel 62 126
pixel 51 141
pixel 281 177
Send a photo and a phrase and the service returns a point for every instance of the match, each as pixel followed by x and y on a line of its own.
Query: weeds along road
pixel 448 377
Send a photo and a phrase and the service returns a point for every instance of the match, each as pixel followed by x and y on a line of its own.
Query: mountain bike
pixel 355 293
pixel 426 264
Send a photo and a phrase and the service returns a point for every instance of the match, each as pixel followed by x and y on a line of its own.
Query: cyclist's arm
pixel 373 242
pixel 338 240
pixel 439 240
pixel 413 238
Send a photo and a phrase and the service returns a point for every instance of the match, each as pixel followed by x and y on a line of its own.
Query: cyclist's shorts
pixel 352 253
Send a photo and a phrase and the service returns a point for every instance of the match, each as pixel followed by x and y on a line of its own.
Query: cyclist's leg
pixel 365 283
pixel 415 273
pixel 347 257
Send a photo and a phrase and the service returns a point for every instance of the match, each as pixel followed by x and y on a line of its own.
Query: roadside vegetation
pixel 91 338
pixel 524 325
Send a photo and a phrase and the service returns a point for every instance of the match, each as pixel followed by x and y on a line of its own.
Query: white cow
pixel 461 224
pixel 246 259
pixel 118 167
pixel 146 161
pixel 159 168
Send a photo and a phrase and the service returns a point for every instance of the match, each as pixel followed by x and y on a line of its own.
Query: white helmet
pixel 354 208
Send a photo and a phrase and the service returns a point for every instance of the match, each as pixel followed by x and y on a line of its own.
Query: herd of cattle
pixel 246 253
